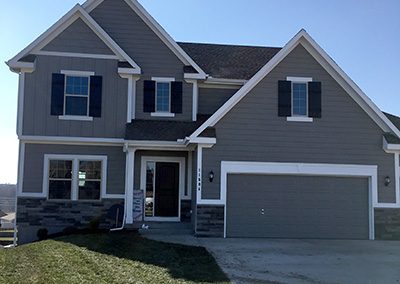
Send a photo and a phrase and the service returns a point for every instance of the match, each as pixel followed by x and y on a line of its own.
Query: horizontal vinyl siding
pixel 212 99
pixel 34 161
pixel 252 130
pixel 145 48
pixel 37 119
pixel 78 38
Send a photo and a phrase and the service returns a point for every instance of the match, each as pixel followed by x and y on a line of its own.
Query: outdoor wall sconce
pixel 387 181
pixel 211 176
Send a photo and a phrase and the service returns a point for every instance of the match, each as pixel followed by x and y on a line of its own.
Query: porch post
pixel 129 184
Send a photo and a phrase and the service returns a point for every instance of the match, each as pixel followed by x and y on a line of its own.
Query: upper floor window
pixel 76 95
pixel 162 96
pixel 299 99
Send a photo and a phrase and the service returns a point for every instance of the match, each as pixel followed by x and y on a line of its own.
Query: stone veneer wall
pixel 210 221
pixel 33 213
pixel 387 224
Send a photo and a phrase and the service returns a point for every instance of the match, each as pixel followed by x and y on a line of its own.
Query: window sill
pixel 75 117
pixel 299 119
pixel 162 114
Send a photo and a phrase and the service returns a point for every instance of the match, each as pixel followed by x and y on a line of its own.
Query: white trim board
pixel 77 12
pixel 90 5
pixel 326 62
pixel 182 175
pixel 337 170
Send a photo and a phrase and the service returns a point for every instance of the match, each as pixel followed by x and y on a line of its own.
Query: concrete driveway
pixel 301 261
pixel 307 261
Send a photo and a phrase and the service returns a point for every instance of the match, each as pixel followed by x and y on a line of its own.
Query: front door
pixel 166 190
pixel 162 191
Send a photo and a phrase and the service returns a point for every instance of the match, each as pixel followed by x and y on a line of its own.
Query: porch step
pixel 167 228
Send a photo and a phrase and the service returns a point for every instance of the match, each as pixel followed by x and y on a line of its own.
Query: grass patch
pixel 108 258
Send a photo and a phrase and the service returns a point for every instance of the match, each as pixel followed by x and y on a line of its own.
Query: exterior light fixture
pixel 211 176
pixel 387 181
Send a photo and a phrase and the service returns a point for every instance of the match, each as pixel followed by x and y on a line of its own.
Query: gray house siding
pixel 297 207
pixel 37 100
pixel 211 99
pixel 78 38
pixel 252 130
pixel 34 161
pixel 145 48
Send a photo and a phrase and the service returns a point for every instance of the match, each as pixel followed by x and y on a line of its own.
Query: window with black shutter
pixel 76 94
pixel 162 96
pixel 299 99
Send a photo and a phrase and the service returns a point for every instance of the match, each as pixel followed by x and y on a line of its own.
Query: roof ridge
pixel 226 44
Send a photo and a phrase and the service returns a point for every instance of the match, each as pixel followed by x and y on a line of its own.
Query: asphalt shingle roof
pixel 162 130
pixel 229 61
pixel 390 138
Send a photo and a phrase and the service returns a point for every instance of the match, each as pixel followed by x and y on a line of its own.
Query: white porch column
pixel 129 184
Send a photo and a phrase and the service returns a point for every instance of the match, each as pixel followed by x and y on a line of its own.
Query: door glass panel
pixel 150 178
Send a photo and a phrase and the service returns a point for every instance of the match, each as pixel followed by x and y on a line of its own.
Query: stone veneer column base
pixel 387 224
pixel 210 221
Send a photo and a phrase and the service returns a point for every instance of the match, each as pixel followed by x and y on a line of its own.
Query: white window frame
pixel 73 73
pixel 299 118
pixel 163 113
pixel 75 176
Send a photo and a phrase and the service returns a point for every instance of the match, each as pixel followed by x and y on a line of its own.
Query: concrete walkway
pixel 301 261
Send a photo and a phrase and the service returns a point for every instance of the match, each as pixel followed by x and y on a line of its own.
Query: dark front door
pixel 166 190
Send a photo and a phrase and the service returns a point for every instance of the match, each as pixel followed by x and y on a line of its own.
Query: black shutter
pixel 96 83
pixel 284 98
pixel 314 99
pixel 57 94
pixel 176 97
pixel 149 93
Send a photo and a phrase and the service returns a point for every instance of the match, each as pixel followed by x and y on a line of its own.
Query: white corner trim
pixel 162 114
pixel 90 5
pixel 77 73
pixel 299 79
pixel 299 119
pixel 76 54
pixel 75 13
pixel 75 117
pixel 303 38
pixel 21 102
pixel 341 170
pixel 188 196
pixel 163 79
pixel 75 168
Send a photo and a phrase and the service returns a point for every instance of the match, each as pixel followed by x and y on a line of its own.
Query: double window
pixel 75 177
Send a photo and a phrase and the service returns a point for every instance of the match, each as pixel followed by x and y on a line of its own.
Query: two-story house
pixel 117 121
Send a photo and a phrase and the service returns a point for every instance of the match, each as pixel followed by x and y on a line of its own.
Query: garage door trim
pixel 336 170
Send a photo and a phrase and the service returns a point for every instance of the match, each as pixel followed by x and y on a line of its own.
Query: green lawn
pixel 108 258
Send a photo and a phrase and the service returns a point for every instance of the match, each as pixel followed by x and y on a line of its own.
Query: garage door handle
pixel 262 211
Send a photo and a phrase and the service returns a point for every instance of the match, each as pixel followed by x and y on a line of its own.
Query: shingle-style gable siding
pixel 37 119
pixel 252 130
pixel 78 38
pixel 145 47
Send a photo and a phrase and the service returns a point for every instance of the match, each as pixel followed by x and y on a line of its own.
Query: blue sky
pixel 362 36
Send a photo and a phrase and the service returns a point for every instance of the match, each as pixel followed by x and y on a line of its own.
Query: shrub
pixel 94 224
pixel 42 234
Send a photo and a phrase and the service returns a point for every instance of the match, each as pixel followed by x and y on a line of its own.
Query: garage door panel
pixel 297 206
